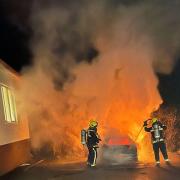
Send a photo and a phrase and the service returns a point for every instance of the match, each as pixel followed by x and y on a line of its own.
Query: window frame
pixel 9 105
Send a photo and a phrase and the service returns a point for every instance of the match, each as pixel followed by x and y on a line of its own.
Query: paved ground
pixel 79 171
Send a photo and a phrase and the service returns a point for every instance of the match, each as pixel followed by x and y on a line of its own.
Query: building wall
pixel 14 154
pixel 11 132
pixel 14 136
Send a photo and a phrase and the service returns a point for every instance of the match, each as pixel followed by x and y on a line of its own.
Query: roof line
pixel 11 70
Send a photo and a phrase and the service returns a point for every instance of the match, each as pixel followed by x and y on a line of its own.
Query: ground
pixel 48 170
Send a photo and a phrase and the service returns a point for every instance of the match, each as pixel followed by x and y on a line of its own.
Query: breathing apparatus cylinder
pixel 83 136
pixel 156 131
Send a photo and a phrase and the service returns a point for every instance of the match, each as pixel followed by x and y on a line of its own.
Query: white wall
pixel 11 132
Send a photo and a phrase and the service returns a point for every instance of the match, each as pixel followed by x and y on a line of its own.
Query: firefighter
pixel 92 142
pixel 158 140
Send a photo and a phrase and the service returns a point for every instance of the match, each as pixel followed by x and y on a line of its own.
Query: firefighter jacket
pixel 92 137
pixel 157 132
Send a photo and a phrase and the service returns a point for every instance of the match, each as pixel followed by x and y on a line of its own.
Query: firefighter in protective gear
pixel 92 142
pixel 157 137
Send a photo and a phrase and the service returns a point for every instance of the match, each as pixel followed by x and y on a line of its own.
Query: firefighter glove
pixel 145 123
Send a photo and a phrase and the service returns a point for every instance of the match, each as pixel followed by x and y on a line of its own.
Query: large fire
pixel 119 86
pixel 119 89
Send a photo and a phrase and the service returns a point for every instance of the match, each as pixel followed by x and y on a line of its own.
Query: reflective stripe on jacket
pixel 161 128
pixel 92 137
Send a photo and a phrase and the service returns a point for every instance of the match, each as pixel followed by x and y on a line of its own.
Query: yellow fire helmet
pixel 154 120
pixel 93 123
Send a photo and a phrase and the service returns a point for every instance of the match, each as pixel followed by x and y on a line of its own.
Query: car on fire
pixel 119 150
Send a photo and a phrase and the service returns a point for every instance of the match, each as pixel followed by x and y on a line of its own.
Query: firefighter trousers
pixel 92 156
pixel 162 146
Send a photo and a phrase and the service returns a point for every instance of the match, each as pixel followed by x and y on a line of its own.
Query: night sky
pixel 15 35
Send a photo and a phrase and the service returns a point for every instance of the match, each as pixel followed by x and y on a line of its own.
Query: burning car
pixel 119 150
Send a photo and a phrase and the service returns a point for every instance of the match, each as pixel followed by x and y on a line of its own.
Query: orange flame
pixel 119 89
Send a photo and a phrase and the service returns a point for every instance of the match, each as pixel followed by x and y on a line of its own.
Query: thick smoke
pixel 96 59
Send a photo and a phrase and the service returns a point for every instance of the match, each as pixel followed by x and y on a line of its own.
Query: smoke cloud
pixel 96 59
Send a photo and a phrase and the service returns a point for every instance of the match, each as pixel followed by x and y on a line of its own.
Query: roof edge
pixel 9 68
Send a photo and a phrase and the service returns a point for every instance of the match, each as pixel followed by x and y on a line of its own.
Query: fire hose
pixel 141 130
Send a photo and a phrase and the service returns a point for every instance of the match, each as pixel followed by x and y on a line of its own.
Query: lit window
pixel 9 105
